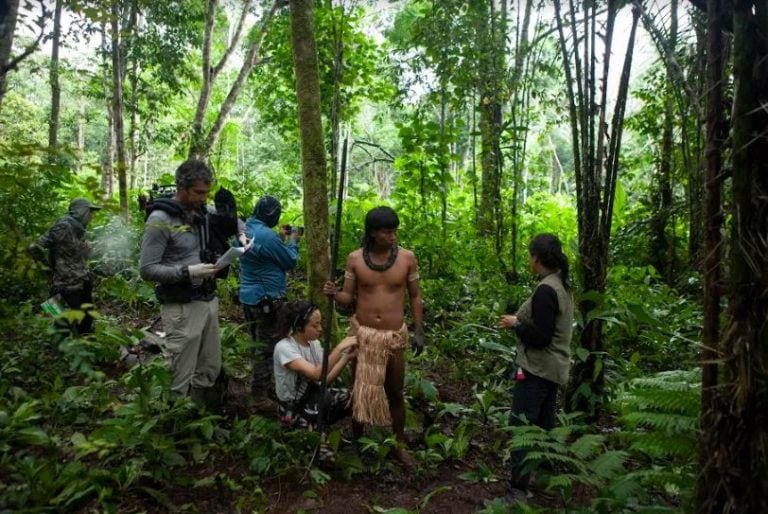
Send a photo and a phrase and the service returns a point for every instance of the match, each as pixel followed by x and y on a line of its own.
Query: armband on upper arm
pixel 348 275
pixel 413 276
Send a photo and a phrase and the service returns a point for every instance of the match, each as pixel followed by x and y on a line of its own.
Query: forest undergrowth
pixel 81 430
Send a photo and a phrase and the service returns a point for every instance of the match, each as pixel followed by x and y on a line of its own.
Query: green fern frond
pixel 627 486
pixel 587 445
pixel 609 464
pixel 660 416
pixel 526 441
pixel 664 400
pixel 540 444
pixel 662 478
pixel 657 445
pixel 574 464
pixel 563 434
pixel 662 421
pixel 566 481
pixel 662 410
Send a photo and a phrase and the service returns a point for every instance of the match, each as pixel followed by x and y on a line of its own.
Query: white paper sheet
pixel 230 255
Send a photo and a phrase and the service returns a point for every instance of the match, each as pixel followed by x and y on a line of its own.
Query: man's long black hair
pixel 378 218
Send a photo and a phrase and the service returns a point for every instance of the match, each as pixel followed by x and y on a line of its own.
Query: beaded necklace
pixel 380 267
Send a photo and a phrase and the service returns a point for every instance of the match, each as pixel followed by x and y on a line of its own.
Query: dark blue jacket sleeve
pixel 286 255
pixel 545 308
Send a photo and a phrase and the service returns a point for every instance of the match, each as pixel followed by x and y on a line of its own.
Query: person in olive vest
pixel 543 325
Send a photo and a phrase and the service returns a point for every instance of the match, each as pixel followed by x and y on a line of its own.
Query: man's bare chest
pixel 392 279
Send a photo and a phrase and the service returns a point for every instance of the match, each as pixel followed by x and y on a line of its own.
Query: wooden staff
pixel 323 406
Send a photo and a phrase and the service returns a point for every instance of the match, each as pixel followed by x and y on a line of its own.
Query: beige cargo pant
pixel 192 344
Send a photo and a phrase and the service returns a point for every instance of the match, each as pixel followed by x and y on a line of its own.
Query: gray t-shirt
pixel 290 385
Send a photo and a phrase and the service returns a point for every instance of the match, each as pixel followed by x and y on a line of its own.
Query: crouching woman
pixel 298 362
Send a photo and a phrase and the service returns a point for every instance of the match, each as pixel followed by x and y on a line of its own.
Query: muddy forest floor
pixel 435 485
pixel 432 488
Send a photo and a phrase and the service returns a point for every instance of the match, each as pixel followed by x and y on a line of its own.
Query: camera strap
pixel 203 231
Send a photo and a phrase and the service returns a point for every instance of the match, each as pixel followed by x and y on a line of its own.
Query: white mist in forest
pixel 115 247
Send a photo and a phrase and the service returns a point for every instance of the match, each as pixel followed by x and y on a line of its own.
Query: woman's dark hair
pixel 268 210
pixel 378 218
pixel 549 250
pixel 191 171
pixel 294 316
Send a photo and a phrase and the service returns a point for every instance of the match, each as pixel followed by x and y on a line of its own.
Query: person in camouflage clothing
pixel 64 249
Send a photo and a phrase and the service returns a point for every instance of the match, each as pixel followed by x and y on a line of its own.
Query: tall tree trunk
pixel 81 131
pixel 133 80
pixel 696 165
pixel 557 171
pixel 53 122
pixel 498 53
pixel 713 241
pixel 661 244
pixel 107 162
pixel 108 158
pixel 207 75
pixel 519 116
pixel 8 17
pixel 734 425
pixel 313 162
pixel 687 92
pixel 473 168
pixel 336 115
pixel 596 159
pixel 490 117
pixel 9 11
pixel 489 83
pixel 133 131
pixel 117 109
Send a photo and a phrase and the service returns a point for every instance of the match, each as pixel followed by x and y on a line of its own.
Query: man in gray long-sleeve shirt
pixel 173 254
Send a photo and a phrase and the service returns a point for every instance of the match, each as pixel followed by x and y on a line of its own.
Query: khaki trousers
pixel 192 343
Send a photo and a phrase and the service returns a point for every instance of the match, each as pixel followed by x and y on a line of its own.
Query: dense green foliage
pixel 82 430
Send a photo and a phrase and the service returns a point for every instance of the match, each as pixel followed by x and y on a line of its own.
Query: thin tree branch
pixel 235 41
pixel 250 61
pixel 30 49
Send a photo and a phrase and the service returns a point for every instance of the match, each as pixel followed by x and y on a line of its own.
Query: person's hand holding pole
pixel 329 289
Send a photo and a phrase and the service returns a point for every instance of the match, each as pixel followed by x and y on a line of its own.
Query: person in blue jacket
pixel 262 289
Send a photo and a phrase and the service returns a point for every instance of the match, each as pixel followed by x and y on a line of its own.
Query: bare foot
pixel 405 458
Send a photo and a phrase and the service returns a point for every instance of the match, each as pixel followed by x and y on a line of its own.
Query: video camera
pixel 162 191
pixel 288 229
